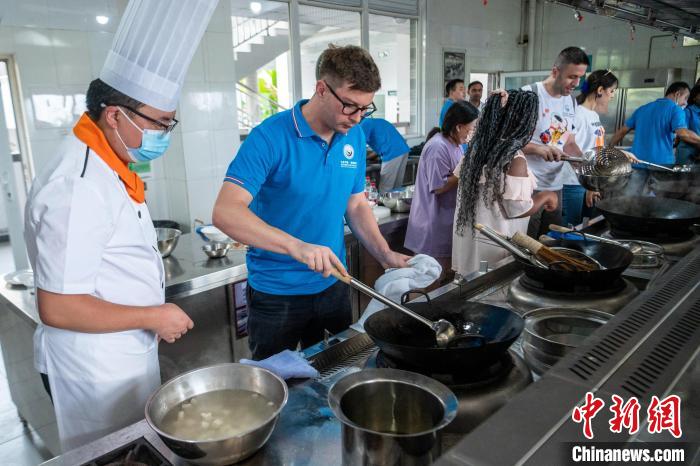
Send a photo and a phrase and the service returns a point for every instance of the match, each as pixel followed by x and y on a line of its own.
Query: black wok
pixel 614 258
pixel 649 216
pixel 683 184
pixel 409 342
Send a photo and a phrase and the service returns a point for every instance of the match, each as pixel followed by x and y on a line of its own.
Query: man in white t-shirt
pixel 555 134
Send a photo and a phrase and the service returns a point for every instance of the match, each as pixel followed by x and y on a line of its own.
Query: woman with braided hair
pixel 429 228
pixel 495 184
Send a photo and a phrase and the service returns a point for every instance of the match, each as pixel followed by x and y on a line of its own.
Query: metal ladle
pixel 445 332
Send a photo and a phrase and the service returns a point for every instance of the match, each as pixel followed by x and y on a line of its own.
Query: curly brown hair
pixel 349 64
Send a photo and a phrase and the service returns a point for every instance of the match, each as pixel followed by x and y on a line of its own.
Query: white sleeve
pixel 515 208
pixel 72 224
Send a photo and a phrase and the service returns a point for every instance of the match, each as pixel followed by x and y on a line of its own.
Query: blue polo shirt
pixel 654 124
pixel 384 139
pixel 300 185
pixel 445 107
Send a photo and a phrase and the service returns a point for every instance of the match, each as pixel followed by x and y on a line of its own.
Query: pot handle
pixel 404 297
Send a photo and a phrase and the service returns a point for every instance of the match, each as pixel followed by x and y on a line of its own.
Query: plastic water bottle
pixel 368 185
pixel 373 194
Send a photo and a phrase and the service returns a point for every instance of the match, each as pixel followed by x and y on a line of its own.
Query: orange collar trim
pixel 88 132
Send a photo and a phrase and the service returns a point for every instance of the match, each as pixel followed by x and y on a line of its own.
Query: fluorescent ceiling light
pixel 102 19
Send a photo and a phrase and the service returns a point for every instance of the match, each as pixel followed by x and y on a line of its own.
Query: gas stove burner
pixel 137 453
pixel 524 299
pixel 472 378
pixel 573 290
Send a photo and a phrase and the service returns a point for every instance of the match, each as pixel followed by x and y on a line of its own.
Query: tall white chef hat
pixel 153 48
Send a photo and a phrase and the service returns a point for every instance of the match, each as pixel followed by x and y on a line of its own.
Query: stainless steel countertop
pixel 188 271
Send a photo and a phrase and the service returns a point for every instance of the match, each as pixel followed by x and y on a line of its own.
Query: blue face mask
pixel 154 143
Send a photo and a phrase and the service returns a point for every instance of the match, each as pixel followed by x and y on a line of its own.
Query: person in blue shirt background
pixel 454 91
pixel 654 125
pixel 285 194
pixel 387 142
pixel 689 153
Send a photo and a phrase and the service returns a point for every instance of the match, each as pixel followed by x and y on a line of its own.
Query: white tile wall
pixel 59 48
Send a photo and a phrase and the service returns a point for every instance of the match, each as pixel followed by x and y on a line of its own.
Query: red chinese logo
pixel 661 415
pixel 587 412
pixel 626 415
pixel 665 415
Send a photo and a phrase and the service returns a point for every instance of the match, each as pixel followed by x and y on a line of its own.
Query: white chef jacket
pixel 85 235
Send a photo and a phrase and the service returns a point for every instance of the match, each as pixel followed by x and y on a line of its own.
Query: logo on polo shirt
pixel 348 151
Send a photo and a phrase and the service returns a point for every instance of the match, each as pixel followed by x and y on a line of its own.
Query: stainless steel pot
pixel 551 332
pixel 391 417
pixel 207 379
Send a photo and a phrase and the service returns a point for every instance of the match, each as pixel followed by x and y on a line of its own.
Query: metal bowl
pixel 398 200
pixel 208 379
pixel 216 250
pixel 167 240
pixel 603 183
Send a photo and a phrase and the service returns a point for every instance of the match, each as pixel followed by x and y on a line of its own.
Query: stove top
pixel 524 298
pixel 136 453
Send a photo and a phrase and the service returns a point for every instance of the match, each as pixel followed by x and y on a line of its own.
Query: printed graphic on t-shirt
pixel 599 132
pixel 557 133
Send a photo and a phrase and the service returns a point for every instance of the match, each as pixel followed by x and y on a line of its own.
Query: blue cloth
pixel 301 185
pixel 446 106
pixel 654 124
pixel 687 153
pixel 572 199
pixel 287 364
pixel 384 139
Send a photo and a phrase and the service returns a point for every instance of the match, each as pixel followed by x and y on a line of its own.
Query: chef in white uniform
pixel 91 242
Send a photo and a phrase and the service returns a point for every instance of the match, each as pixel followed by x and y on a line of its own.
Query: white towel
pixel 423 271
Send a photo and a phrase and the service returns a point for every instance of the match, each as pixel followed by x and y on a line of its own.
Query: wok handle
pixel 499 239
pixel 371 292
pixel 660 167
pixel 561 229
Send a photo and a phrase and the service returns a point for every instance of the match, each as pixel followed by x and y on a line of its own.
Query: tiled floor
pixel 19 445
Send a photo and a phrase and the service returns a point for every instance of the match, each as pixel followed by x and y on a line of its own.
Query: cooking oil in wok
pixel 218 414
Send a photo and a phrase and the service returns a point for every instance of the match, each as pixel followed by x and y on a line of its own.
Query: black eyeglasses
pixel 351 109
pixel 167 127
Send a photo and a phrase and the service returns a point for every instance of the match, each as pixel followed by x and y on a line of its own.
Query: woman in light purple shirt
pixel 433 208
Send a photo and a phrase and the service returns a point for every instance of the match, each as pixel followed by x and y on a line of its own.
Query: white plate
pixel 21 278
pixel 214 234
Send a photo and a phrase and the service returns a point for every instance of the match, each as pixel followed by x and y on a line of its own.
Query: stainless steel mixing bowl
pixel 398 200
pixel 208 379
pixel 216 249
pixel 167 240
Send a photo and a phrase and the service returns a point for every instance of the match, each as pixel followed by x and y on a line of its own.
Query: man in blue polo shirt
pixel 285 194
pixel 654 125
pixel 454 91
pixel 392 149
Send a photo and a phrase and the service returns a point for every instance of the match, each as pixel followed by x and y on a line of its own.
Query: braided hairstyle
pixel 500 134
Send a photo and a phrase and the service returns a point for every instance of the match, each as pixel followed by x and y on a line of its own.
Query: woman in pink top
pixel 432 210
pixel 495 184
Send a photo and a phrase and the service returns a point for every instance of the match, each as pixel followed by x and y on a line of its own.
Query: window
pixel 261 51
pixel 319 27
pixel 393 45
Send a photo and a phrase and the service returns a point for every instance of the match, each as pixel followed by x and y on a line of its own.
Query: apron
pixel 100 382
